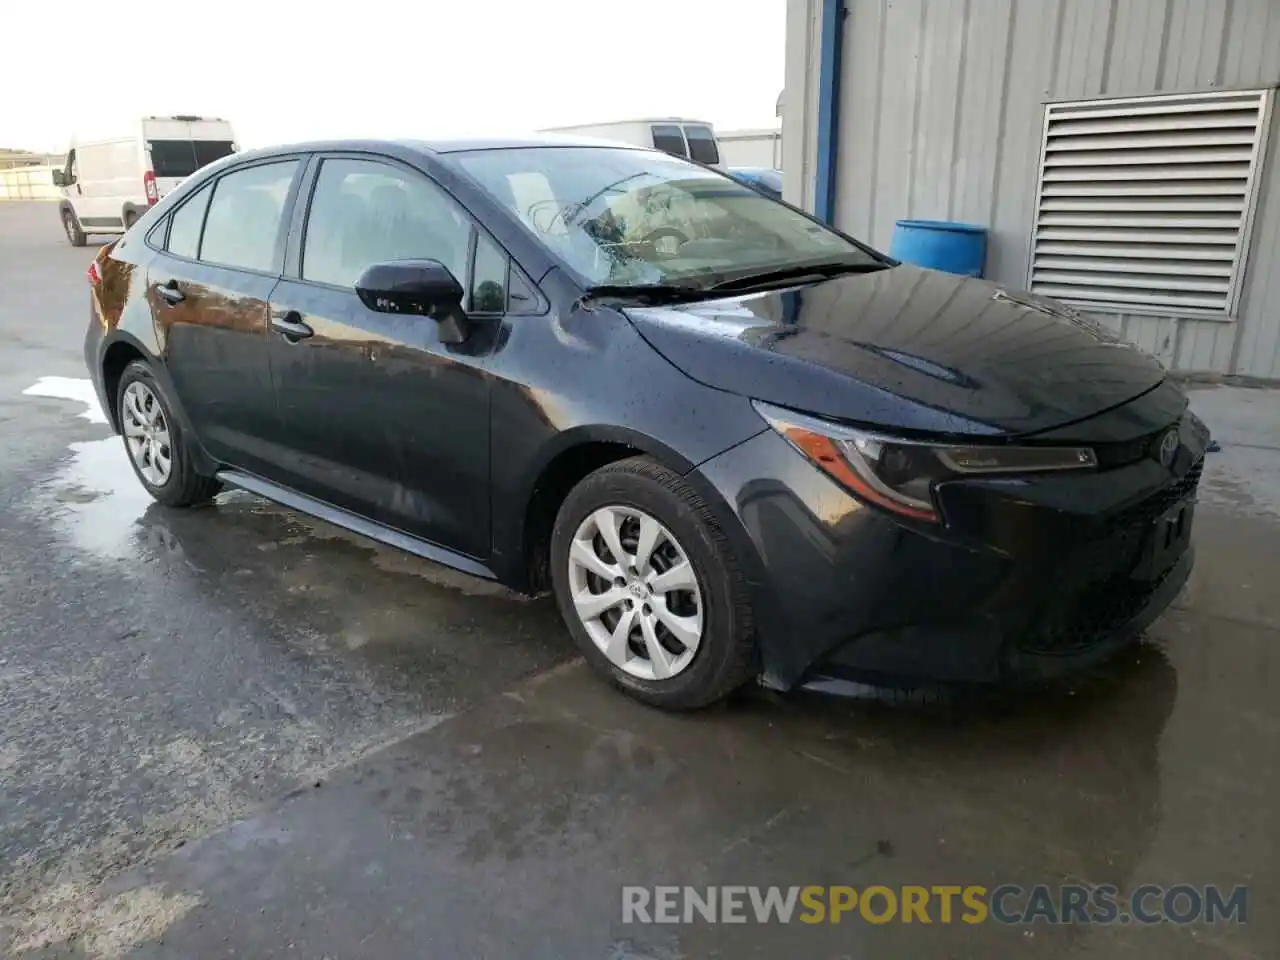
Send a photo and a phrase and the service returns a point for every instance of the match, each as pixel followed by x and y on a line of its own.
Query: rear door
pixel 669 138
pixel 221 256
pixel 383 418
pixel 178 148
pixel 702 144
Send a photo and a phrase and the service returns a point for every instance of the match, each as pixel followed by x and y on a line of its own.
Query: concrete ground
pixel 237 732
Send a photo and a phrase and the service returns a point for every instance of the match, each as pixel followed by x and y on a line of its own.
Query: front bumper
pixel 1018 588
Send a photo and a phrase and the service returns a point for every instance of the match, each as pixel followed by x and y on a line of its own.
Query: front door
pixel 209 293
pixel 382 417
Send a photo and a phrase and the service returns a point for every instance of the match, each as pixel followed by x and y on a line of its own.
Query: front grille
pixel 1181 488
pixel 1192 433
pixel 1126 451
pixel 1093 592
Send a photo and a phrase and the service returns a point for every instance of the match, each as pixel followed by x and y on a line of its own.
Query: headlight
pixel 899 474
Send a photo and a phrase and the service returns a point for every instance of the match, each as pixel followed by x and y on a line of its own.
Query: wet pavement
pixel 237 732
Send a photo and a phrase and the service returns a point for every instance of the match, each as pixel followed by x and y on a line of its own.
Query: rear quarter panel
pixel 122 312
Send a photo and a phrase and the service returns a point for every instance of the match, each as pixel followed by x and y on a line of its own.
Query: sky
pixel 283 71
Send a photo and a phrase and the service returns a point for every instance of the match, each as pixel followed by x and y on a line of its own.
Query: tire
pixel 181 485
pixel 71 225
pixel 724 657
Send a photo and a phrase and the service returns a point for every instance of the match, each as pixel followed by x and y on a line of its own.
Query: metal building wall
pixel 942 117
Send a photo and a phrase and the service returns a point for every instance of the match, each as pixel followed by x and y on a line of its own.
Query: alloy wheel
pixel 146 433
pixel 636 592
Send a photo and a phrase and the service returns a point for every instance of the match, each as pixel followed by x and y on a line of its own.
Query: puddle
pixel 389 559
pixel 98 506
pixel 93 499
pixel 96 501
pixel 70 388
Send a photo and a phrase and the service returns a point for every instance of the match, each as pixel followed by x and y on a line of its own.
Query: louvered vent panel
pixel 1144 202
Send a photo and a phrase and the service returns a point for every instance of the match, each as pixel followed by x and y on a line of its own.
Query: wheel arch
pixel 117 354
pixel 579 453
pixel 574 454
pixel 122 349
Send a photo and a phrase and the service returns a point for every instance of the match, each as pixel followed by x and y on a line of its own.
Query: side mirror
pixel 59 178
pixel 422 287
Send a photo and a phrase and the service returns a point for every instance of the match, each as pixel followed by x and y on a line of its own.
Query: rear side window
pixel 702 144
pixel 182 158
pixel 668 138
pixel 245 215
pixel 185 224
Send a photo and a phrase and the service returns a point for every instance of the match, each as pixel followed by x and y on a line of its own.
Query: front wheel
pixel 649 587
pixel 155 443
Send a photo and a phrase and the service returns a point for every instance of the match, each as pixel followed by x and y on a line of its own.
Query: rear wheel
pixel 650 589
pixel 155 443
pixel 72 227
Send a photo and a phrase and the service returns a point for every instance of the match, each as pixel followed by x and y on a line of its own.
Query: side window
pixel 185 224
pixel 520 295
pixel 244 217
pixel 158 235
pixel 668 138
pixel 489 285
pixel 702 144
pixel 72 169
pixel 365 212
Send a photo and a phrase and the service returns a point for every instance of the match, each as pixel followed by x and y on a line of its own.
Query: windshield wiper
pixel 687 293
pixel 796 274
pixel 646 292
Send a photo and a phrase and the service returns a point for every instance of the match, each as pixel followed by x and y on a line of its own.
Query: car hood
pixel 906 348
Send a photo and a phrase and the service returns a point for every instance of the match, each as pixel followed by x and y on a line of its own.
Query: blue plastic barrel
pixel 941 245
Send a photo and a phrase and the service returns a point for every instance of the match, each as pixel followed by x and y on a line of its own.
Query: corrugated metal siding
pixel 800 103
pixel 943 115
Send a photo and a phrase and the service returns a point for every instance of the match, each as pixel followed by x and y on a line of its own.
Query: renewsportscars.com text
pixel 939 903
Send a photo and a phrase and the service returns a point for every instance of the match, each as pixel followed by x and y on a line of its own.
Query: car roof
pixel 440 146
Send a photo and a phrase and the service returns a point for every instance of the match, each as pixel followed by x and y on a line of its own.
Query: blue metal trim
pixel 824 205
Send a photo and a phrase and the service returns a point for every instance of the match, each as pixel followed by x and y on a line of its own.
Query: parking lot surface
pixel 234 731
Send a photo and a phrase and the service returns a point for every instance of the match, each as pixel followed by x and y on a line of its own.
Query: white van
pixel 108 183
pixel 694 139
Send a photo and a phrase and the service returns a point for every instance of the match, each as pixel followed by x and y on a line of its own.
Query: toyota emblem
pixel 1168 447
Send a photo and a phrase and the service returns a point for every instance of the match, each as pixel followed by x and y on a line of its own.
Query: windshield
pixel 631 217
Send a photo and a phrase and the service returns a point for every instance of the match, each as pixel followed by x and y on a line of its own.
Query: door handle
pixel 288 323
pixel 170 292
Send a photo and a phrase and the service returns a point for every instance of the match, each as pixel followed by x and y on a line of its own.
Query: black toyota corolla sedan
pixel 735 443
